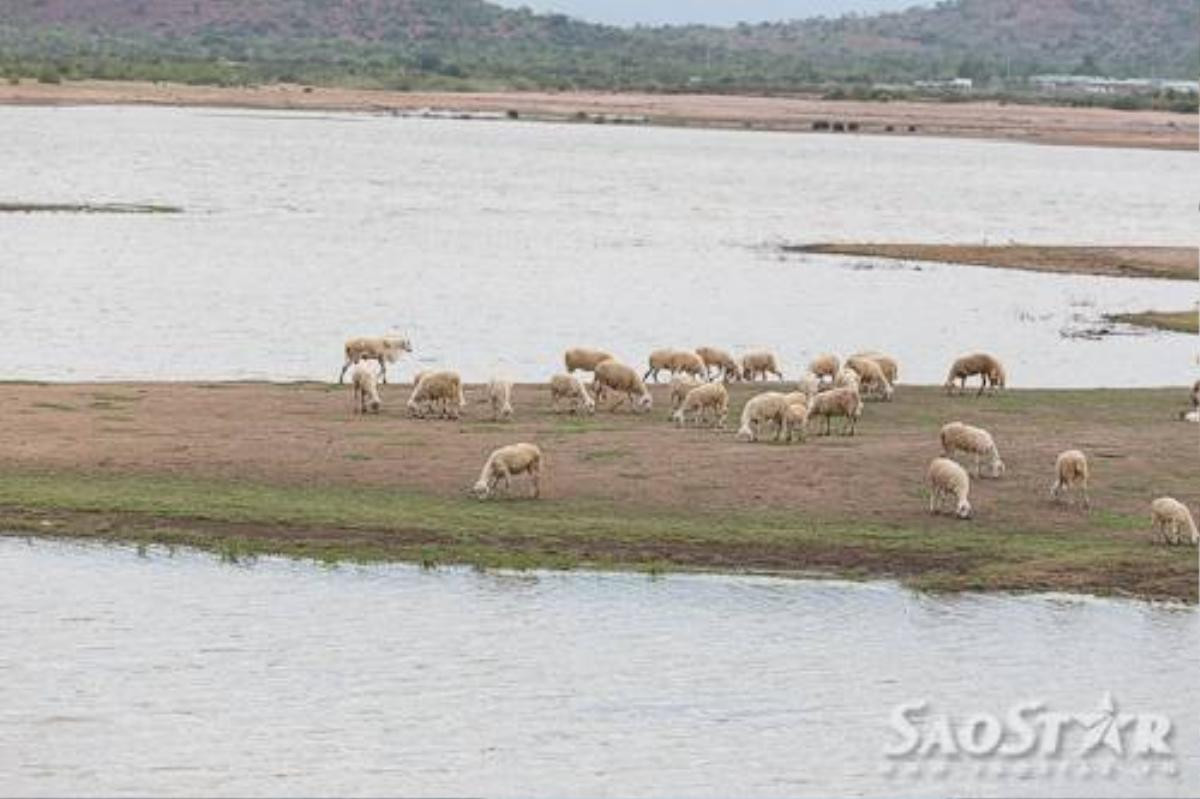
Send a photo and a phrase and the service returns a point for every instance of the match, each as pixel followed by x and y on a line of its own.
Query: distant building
pixel 1097 84
pixel 963 85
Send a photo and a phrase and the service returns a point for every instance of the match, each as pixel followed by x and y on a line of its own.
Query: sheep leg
pixel 535 475
pixel 345 366
pixel 1087 501
pixel 382 369
pixel 933 498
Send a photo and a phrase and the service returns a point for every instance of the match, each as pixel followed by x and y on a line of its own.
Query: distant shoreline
pixel 1091 127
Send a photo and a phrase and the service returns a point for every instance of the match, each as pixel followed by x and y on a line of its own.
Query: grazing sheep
pixel 809 384
pixel 844 402
pixel 702 399
pixel 763 409
pixel 675 361
pixel 948 480
pixel 437 388
pixel 727 368
pixel 364 389
pixel 499 395
pixel 584 359
pixel 680 386
pixel 506 462
pixel 384 349
pixel 825 365
pixel 1173 520
pixel 572 389
pixel 891 369
pixel 1071 470
pixel 612 375
pixel 988 367
pixel 959 437
pixel 847 378
pixel 796 419
pixel 873 382
pixel 759 362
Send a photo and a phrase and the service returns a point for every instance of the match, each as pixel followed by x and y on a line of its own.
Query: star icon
pixel 1104 727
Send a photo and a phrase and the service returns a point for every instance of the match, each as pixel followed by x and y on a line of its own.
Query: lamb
pixel 1071 470
pixel 949 480
pixel 675 361
pixel 988 367
pixel 1173 520
pixel 959 437
pixel 506 462
pixel 364 389
pixel 384 349
pixel 844 402
pixel 871 377
pixel 702 399
pixel 612 375
pixel 809 384
pixel 584 359
pixel 759 362
pixel 499 395
pixel 825 365
pixel 444 388
pixel 569 387
pixel 847 378
pixel 796 419
pixel 762 409
pixel 727 368
pixel 891 369
pixel 680 386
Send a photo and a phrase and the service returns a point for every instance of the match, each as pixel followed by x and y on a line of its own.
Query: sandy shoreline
pixel 1042 124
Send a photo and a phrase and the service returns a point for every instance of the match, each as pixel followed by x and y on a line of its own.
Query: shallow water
pixel 495 245
pixel 122 674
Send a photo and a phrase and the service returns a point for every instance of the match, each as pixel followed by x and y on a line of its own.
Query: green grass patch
pixel 1172 321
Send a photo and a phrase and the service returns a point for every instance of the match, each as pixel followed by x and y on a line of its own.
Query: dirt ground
pixel 1044 124
pixel 305 434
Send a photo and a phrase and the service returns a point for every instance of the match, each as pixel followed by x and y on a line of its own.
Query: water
pixel 122 674
pixel 496 245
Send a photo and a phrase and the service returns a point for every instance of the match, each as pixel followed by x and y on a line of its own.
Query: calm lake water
pixel 496 245
pixel 181 675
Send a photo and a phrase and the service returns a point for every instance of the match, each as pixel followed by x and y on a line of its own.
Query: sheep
pixel 871 377
pixel 762 409
pixel 499 395
pixel 825 365
pixel 570 387
pixel 847 378
pixel 364 389
pixel 384 349
pixel 444 388
pixel 680 386
pixel 506 462
pixel 891 369
pixel 702 399
pixel 1172 519
pixel 796 419
pixel 844 402
pixel 959 437
pixel 1192 416
pixel 675 361
pixel 759 362
pixel 1071 469
pixel 584 359
pixel 727 368
pixel 616 376
pixel 947 479
pixel 988 367
pixel 809 384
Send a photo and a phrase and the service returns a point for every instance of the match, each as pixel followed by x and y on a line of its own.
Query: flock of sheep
pixel 829 389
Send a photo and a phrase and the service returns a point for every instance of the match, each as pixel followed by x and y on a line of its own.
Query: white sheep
pixel 847 378
pixel 948 480
pixel 702 399
pixel 1173 520
pixel 675 362
pixel 760 362
pixel 988 367
pixel 1071 471
pixel 845 402
pixel 443 389
pixel 796 419
pixel 571 389
pixel 384 349
pixel 364 389
pixel 680 386
pixel 872 380
pixel 506 462
pixel 612 375
pixel 825 365
pixel 727 368
pixel 959 437
pixel 499 396
pixel 583 359
pixel 891 369
pixel 809 384
pixel 761 410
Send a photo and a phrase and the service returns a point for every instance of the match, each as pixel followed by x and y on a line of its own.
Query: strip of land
pixel 1171 263
pixel 1171 321
pixel 1100 127
pixel 244 468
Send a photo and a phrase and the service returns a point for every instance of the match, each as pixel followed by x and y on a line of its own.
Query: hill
pixel 475 44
